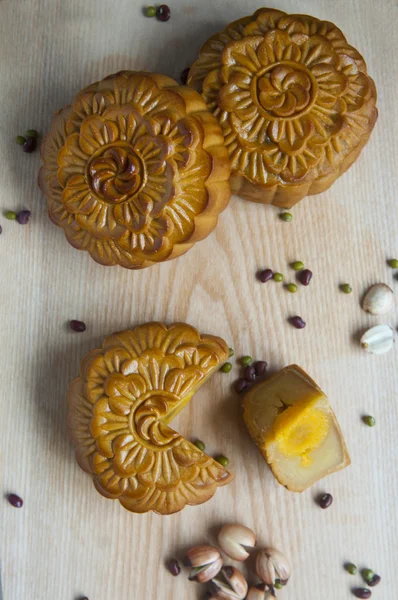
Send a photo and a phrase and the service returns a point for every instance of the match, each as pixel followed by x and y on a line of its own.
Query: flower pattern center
pixel 146 422
pixel 116 173
pixel 285 90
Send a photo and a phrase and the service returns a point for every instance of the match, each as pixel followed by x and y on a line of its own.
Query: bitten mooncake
pixel 120 407
pixel 294 100
pixel 135 171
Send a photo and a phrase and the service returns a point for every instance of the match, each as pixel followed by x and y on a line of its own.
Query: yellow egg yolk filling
pixel 299 430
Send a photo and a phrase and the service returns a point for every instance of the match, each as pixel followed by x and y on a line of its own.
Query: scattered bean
pixel 298 265
pixel 393 263
pixel 286 216
pixel 297 322
pixel 30 145
pixel 351 568
pixel 260 367
pixel 361 593
pixel 265 275
pixel 367 574
pixel 15 500
pixel 292 287
pixel 305 277
pixel 374 581
pixel 77 326
pixel 184 76
pixel 150 11
pixel 23 217
pixel 369 421
pixel 250 373
pixel 199 444
pixel 278 277
pixel 32 133
pixel 11 215
pixel 241 385
pixel 173 567
pixel 163 12
pixel 231 352
pixel 20 140
pixel 246 360
pixel 223 460
pixel 226 368
pixel 346 288
pixel 325 500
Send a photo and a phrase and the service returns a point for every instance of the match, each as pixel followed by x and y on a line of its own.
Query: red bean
pixel 23 217
pixel 265 275
pixel 30 145
pixel 15 500
pixel 260 367
pixel 77 326
pixel 362 593
pixel 305 276
pixel 241 385
pixel 325 500
pixel 163 13
pixel 250 373
pixel 173 567
pixel 374 581
pixel 297 322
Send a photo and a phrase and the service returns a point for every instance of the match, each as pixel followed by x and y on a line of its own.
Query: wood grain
pixel 68 541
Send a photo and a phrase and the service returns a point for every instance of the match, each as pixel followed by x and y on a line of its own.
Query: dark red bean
pixel 23 217
pixel 374 581
pixel 325 500
pixel 15 500
pixel 297 322
pixel 260 367
pixel 305 276
pixel 163 13
pixel 249 373
pixel 265 275
pixel 361 593
pixel 184 76
pixel 30 145
pixel 78 326
pixel 241 385
pixel 173 567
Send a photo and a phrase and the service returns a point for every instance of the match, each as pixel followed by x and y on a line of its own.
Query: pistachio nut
pixel 271 565
pixel 229 584
pixel 378 339
pixel 205 562
pixel 378 299
pixel 234 539
pixel 261 592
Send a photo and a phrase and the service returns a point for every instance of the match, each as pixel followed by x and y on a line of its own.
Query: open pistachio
pixel 234 539
pixel 378 339
pixel 271 565
pixel 229 584
pixel 205 561
pixel 261 592
pixel 378 299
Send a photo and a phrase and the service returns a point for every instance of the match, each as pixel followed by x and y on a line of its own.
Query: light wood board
pixel 68 541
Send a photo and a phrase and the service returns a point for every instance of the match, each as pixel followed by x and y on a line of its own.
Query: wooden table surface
pixel 67 541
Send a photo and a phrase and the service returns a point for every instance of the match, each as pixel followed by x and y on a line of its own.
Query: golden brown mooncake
pixel 120 406
pixel 135 171
pixel 294 100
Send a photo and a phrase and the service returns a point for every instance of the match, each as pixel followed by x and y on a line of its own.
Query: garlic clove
pixel 378 339
pixel 272 565
pixel 261 592
pixel 234 539
pixel 378 299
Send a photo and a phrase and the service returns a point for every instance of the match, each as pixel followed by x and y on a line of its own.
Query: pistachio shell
pixel 234 539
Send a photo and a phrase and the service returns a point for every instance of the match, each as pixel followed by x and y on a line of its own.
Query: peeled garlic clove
pixel 261 592
pixel 378 299
pixel 271 565
pixel 234 539
pixel 378 339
